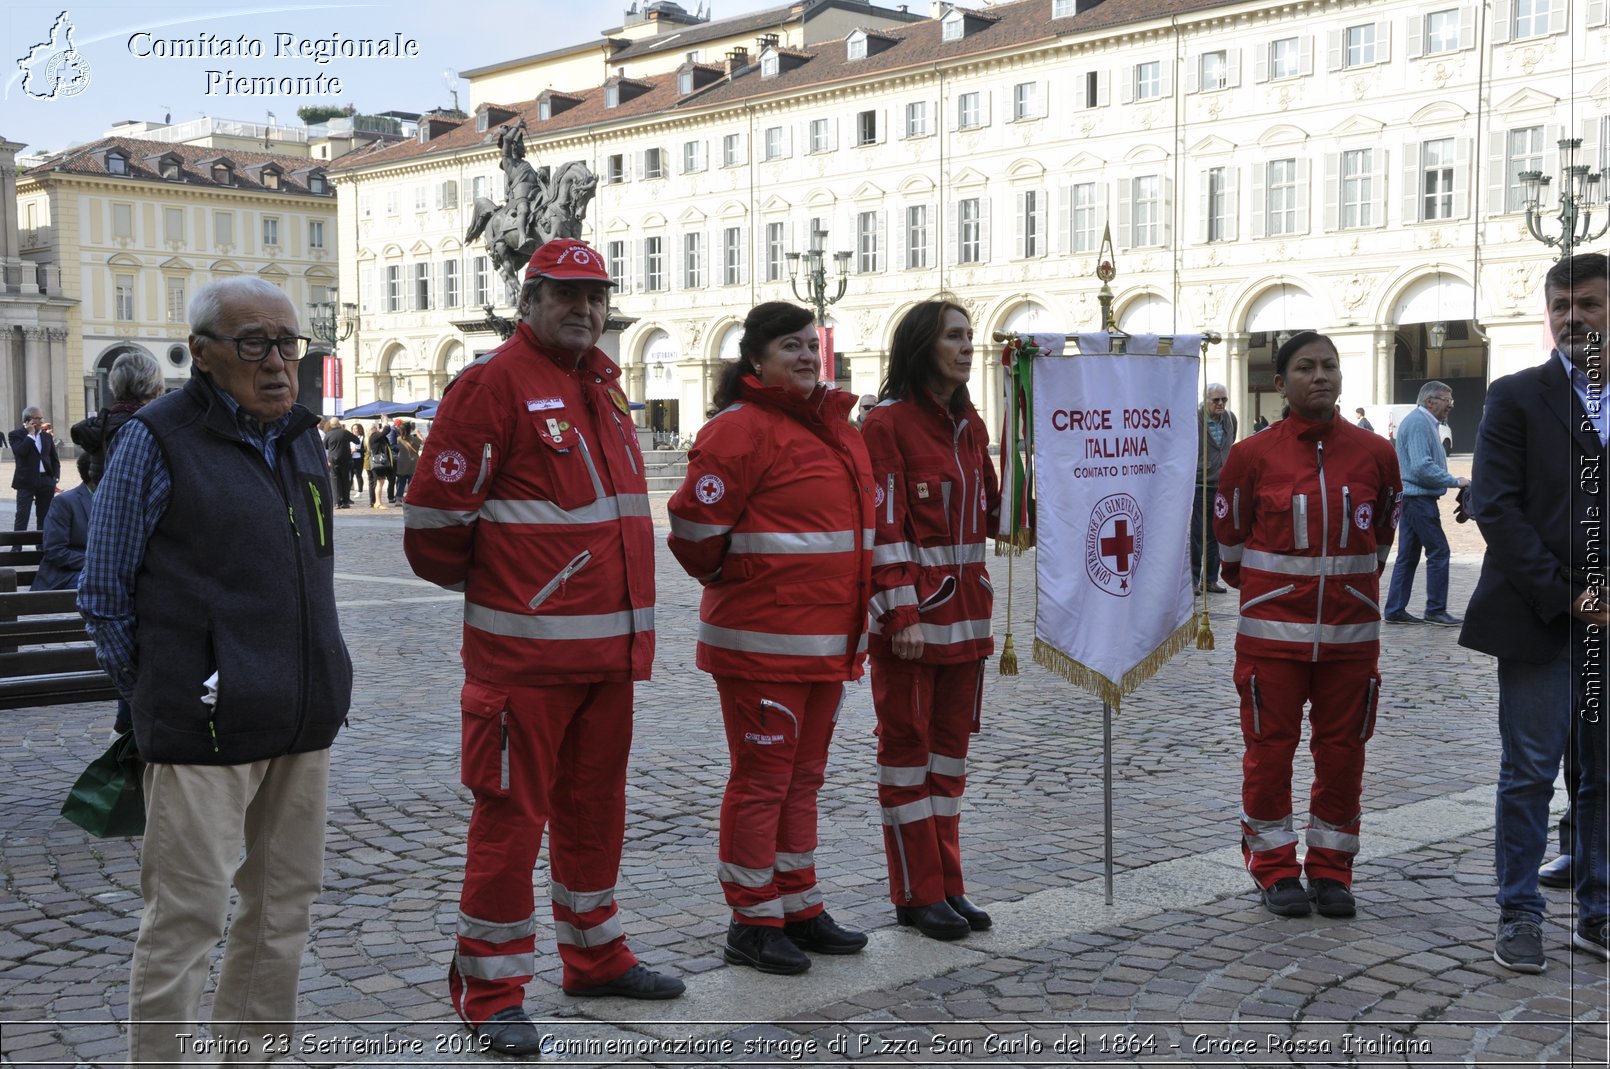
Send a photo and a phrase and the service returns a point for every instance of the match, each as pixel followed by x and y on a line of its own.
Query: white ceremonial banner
pixel 1115 443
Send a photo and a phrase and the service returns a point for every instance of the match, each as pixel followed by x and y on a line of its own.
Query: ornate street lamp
pixel 1579 195
pixel 331 322
pixel 815 276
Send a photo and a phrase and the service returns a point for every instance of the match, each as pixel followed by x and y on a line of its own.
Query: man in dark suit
pixel 1539 490
pixel 38 468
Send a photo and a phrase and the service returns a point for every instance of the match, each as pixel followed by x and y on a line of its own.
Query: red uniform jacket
pixel 530 497
pixel 937 502
pixel 775 519
pixel 1304 518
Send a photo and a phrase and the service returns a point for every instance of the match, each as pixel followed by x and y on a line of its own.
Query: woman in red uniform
pixel 937 499
pixel 1304 517
pixel 775 519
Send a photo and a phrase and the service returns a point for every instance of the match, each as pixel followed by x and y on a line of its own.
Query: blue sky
pixel 121 85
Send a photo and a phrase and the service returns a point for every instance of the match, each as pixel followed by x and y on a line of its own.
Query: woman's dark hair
pixel 911 353
pixel 1284 354
pixel 763 323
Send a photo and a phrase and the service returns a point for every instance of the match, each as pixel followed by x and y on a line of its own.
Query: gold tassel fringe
pixel 1014 545
pixel 1053 659
pixel 1204 632
pixel 1008 657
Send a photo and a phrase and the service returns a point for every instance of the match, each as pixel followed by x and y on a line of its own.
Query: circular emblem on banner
pixel 1113 544
pixel 709 489
pixel 450 466
pixel 877 495
pixel 1363 515
pixel 1221 507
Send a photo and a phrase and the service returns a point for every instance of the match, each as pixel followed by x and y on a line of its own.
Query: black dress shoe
pixel 766 948
pixel 510 1032
pixel 976 918
pixel 1215 588
pixel 1556 873
pixel 936 921
pixel 1445 618
pixel 824 935
pixel 636 982
pixel 1402 618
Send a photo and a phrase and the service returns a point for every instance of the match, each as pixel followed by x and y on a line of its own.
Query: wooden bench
pixel 20 554
pixel 46 657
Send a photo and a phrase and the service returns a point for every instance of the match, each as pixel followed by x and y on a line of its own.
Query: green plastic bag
pixel 108 801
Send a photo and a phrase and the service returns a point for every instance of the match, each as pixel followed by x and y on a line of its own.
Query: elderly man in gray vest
pixel 234 665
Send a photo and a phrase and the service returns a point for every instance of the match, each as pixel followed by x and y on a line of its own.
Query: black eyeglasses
pixel 256 347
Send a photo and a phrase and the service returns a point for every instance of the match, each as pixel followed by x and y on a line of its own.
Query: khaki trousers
pixel 198 817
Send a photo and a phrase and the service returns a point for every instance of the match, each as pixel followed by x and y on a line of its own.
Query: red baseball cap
pixel 568 259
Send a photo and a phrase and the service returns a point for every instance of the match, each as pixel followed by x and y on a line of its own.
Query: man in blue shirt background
pixel 1424 467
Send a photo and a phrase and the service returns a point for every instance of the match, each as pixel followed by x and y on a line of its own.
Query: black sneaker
pixel 637 982
pixel 824 935
pixel 1519 945
pixel 1594 938
pixel 1331 898
pixel 764 947
pixel 1286 897
pixel 510 1032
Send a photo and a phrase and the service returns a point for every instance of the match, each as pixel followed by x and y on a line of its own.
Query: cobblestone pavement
pixel 1183 968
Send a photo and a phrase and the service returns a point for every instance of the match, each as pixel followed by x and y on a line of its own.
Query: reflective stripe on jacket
pixel 775 519
pixel 937 502
pixel 530 497
pixel 1304 517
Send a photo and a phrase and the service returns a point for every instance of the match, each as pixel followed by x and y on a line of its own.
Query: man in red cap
pixel 530 498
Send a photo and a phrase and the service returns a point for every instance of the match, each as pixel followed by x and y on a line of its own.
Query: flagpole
pixel 1106 787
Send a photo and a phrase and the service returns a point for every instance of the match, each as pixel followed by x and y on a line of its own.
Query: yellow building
pixel 134 226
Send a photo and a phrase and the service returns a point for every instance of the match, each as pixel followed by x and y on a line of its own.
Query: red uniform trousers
pixel 1342 697
pixel 531 754
pixel 926 716
pixel 777 740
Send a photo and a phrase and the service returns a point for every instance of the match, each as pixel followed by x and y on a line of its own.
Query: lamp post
pixel 332 323
pixel 1579 195
pixel 815 276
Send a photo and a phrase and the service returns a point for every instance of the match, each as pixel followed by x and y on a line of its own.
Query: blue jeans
pixel 1537 704
pixel 1421 526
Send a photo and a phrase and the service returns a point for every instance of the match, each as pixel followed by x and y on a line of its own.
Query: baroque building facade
pixel 1263 168
pixel 133 226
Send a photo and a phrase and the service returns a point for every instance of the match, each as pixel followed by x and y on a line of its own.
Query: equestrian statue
pixel 541 206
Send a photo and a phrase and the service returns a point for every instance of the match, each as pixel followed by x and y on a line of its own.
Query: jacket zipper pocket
pixel 577 564
pixel 503 750
pixel 1365 598
pixel 1371 696
pixel 1347 515
pixel 1257 705
pixel 1299 521
pixel 1235 508
pixel 592 469
pixel 1261 598
pixel 486 468
pixel 630 458
pixel 888 502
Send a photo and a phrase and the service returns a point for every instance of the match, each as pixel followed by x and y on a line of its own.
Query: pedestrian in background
pixel 774 517
pixel 360 456
pixel 380 467
pixel 37 468
pixel 1304 517
pixel 868 402
pixel 937 503
pixel 340 445
pixel 1216 431
pixel 1539 496
pixel 1363 421
pixel 530 498
pixel 1424 467
pixel 407 458
pixel 235 667
pixel 66 534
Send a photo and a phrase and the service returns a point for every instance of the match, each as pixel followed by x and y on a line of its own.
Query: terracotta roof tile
pixel 195 168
